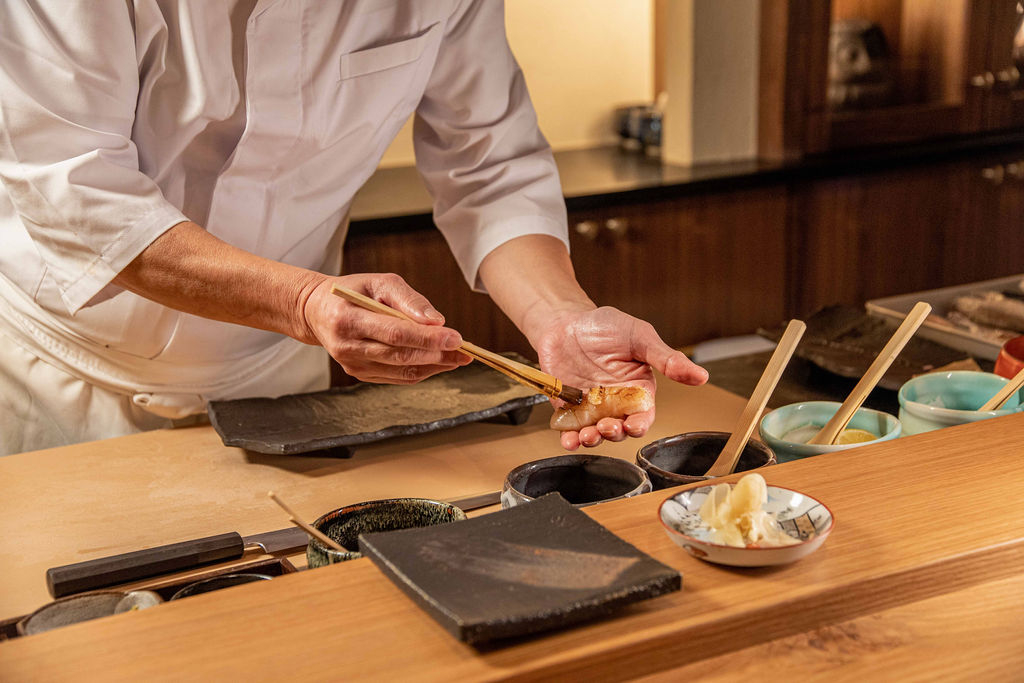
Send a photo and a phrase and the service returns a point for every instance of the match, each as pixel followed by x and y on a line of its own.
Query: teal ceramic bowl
pixel 345 524
pixel 944 399
pixel 781 421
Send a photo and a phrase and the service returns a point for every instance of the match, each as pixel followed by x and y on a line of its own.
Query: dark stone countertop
pixel 395 199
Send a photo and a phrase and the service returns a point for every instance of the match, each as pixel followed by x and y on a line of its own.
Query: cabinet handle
pixel 588 229
pixel 994 174
pixel 984 81
pixel 1008 79
pixel 617 226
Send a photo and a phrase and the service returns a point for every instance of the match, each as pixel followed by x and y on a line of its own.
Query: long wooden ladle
pixel 830 432
pixel 730 455
pixel 1004 394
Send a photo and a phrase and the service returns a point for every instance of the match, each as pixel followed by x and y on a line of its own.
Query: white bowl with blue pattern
pixel 799 516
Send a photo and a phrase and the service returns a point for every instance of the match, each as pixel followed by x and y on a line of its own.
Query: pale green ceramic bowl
pixel 776 424
pixel 944 399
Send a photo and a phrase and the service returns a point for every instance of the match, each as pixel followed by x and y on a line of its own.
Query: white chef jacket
pixel 258 119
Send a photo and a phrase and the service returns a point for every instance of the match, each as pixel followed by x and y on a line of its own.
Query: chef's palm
pixel 608 347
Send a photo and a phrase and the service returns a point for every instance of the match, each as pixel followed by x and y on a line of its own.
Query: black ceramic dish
pixel 684 458
pixel 216 583
pixel 344 525
pixel 580 479
pixel 335 422
pixel 540 565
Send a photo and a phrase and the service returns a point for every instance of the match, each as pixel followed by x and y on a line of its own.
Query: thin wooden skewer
pixel 312 531
pixel 730 455
pixel 997 401
pixel 830 432
pixel 524 374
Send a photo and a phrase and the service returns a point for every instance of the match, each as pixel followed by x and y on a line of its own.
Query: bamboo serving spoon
pixel 1004 394
pixel 834 427
pixel 312 531
pixel 524 374
pixel 730 455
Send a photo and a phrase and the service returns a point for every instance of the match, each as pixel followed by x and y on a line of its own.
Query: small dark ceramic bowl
pixel 580 479
pixel 216 583
pixel 83 607
pixel 684 458
pixel 345 524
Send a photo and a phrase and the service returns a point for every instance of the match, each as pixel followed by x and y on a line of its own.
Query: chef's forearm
pixel 531 278
pixel 190 270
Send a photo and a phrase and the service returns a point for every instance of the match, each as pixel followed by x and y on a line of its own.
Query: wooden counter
pixel 927 552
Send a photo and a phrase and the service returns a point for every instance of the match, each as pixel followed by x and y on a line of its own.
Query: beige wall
pixel 581 58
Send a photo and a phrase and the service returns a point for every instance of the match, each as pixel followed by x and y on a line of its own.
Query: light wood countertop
pixel 923 523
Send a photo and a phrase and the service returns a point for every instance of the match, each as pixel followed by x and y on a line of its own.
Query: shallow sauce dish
pixel 781 421
pixel 799 515
pixel 944 399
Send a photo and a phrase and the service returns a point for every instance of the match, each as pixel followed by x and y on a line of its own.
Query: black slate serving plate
pixel 530 568
pixel 345 417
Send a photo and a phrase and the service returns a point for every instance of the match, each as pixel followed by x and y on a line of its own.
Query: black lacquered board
pixel 340 419
pixel 533 567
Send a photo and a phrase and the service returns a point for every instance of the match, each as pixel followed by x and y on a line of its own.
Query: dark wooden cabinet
pixel 729 260
pixel 949 66
pixel 861 237
pixel 866 236
pixel 695 268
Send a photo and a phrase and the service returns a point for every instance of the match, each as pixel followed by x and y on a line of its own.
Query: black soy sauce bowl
pixel 216 583
pixel 580 479
pixel 685 458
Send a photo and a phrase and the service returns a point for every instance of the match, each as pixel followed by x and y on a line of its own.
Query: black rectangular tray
pixel 533 567
pixel 333 422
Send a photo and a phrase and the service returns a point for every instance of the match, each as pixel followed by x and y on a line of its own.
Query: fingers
pixel 384 330
pixel 606 429
pixel 382 373
pixel 394 291
pixel 649 348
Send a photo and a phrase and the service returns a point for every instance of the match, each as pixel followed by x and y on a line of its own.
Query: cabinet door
pixel 859 238
pixel 422 257
pixel 1005 103
pixel 990 243
pixel 696 268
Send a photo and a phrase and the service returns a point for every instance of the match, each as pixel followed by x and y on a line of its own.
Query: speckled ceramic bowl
pixel 799 516
pixel 83 607
pixel 580 479
pixel 216 583
pixel 944 399
pixel 781 421
pixel 345 524
pixel 685 458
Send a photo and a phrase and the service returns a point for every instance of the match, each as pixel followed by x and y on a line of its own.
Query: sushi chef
pixel 176 177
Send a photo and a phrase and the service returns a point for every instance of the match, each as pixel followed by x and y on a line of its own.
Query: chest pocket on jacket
pixel 384 57
pixel 378 88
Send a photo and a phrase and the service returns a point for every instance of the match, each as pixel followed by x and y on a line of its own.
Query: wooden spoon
pixel 830 432
pixel 730 455
pixel 311 530
pixel 997 401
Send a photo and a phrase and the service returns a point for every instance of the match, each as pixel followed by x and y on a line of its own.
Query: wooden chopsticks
pixel 830 432
pixel 524 374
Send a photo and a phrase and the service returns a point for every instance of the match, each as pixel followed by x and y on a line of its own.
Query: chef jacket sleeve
pixel 68 88
pixel 478 148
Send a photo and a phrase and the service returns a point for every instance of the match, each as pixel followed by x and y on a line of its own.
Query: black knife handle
pixel 140 564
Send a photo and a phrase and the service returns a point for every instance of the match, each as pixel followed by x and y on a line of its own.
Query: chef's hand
pixel 374 347
pixel 605 346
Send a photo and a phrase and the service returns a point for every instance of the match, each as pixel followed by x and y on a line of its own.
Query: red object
pixel 1011 358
